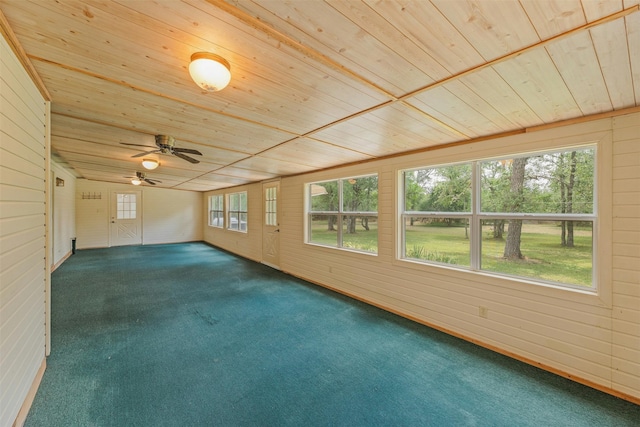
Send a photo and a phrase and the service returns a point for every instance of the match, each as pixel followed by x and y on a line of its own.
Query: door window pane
pixel 125 206
pixel 270 208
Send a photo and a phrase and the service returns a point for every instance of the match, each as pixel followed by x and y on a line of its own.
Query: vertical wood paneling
pixel 22 233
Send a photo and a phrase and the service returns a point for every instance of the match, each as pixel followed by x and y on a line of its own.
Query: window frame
pixel 239 213
pixel 341 214
pixel 476 216
pixel 220 212
pixel 271 206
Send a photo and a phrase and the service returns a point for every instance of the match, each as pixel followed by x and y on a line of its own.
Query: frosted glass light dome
pixel 211 72
pixel 150 163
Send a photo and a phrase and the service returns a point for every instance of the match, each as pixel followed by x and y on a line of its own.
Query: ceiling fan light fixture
pixel 136 181
pixel 150 163
pixel 209 71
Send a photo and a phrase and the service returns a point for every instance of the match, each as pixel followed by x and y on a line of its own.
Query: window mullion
pixel 476 228
pixel 340 212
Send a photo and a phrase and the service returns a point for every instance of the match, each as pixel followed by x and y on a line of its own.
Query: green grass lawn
pixel 361 240
pixel 545 258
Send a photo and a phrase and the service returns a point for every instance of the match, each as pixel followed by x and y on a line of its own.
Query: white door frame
pixel 115 223
pixel 271 230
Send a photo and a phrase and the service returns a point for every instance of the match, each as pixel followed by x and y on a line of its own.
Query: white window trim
pixel 341 213
pixel 228 213
pixel 601 294
pixel 221 196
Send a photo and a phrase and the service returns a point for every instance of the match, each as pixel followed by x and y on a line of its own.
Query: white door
pixel 126 224
pixel 270 225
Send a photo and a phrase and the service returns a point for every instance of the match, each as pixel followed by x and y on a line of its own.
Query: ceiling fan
pixel 142 177
pixel 166 145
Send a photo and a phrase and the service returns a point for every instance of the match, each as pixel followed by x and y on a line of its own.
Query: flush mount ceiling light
pixel 210 72
pixel 150 163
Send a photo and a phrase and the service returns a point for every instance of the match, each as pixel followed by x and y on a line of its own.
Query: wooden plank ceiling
pixel 316 84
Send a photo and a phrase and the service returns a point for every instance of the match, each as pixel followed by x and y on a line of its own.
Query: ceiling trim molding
pixel 312 53
pixel 16 47
pixel 568 122
pixel 541 43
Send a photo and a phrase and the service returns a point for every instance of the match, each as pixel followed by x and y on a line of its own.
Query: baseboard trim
pixel 59 263
pixel 559 372
pixel 21 418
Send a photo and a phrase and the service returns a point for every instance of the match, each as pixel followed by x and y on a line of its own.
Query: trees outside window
pixel 532 215
pixel 216 210
pixel 343 213
pixel 437 214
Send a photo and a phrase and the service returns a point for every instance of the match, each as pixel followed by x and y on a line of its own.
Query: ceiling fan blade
pixel 145 153
pixel 187 158
pixel 150 181
pixel 187 150
pixel 137 145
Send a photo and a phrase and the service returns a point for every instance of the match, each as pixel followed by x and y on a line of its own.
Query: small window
pixel 343 213
pixel 216 211
pixel 437 214
pixel 237 212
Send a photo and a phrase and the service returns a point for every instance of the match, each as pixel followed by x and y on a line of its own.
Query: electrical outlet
pixel 483 312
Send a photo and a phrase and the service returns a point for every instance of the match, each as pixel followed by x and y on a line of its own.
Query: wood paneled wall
pixel 23 155
pixel 63 221
pixel 168 216
pixel 625 312
pixel 595 338
pixel 249 244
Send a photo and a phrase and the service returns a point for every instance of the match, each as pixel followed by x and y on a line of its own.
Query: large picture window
pixel 343 213
pixel 237 211
pixel 530 216
pixel 216 211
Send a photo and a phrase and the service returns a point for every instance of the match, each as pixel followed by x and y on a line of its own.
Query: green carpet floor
pixel 188 335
